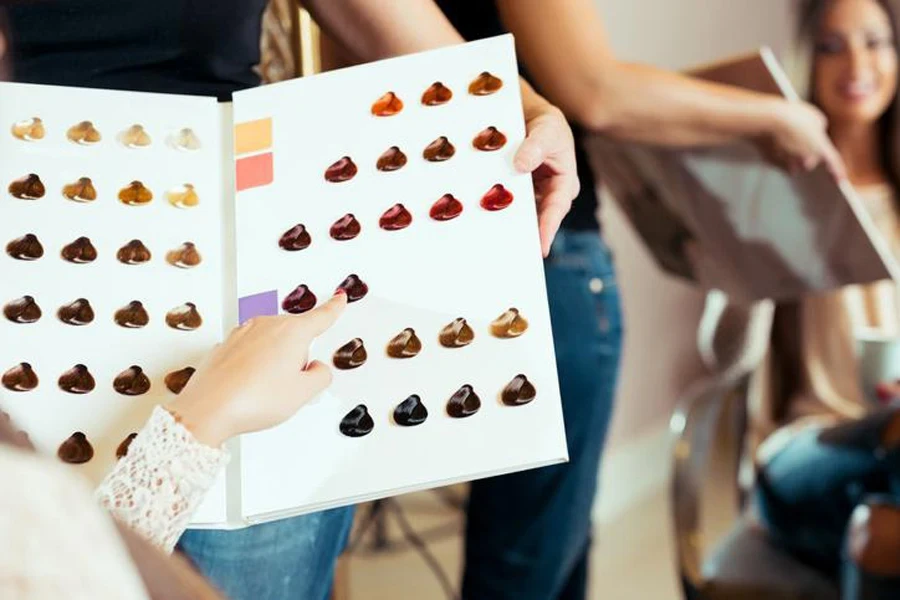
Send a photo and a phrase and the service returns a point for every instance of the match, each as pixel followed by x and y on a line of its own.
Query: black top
pixel 204 47
pixel 477 19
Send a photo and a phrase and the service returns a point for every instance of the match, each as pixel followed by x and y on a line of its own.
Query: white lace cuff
pixel 157 486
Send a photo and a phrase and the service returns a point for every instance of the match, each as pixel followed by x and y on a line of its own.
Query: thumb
pixel 317 377
pixel 530 155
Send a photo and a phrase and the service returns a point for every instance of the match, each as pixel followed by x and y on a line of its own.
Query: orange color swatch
pixel 254 171
pixel 253 136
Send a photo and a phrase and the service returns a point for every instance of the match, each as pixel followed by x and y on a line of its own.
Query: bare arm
pixel 565 47
pixel 369 30
pixel 630 101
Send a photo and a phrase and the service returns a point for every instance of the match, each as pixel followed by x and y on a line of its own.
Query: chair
pixel 722 554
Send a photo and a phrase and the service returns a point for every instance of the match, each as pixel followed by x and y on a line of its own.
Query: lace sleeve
pixel 155 488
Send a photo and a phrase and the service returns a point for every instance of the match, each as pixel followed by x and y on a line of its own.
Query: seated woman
pixel 828 484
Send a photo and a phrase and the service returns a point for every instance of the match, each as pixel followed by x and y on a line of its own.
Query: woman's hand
pixel 548 153
pixel 259 377
pixel 797 139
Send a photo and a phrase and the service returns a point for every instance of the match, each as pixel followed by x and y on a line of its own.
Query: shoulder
pixel 47 520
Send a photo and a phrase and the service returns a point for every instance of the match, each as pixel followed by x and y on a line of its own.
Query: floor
pixel 632 559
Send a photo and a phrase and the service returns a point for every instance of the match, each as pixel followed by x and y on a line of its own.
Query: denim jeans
pixel 528 534
pixel 806 493
pixel 290 559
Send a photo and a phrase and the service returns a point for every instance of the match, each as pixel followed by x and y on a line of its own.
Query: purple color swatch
pixel 258 305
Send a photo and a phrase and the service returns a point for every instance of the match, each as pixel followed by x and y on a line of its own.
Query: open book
pixel 138 229
pixel 725 219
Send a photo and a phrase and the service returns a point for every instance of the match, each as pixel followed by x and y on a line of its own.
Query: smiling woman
pixel 826 438
pixel 856 64
pixel 852 54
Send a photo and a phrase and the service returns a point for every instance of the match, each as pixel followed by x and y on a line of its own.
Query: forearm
pixel 564 46
pixel 374 29
pixel 642 103
pixel 532 102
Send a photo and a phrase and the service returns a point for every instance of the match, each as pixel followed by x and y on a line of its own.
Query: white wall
pixel 661 314
pixel 680 33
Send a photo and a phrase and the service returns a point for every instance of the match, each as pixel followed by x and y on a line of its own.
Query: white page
pixel 475 266
pixel 47 413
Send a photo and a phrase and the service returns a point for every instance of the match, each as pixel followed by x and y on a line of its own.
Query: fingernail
pixel 340 292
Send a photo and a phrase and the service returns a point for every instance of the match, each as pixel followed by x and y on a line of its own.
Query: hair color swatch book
pixel 140 228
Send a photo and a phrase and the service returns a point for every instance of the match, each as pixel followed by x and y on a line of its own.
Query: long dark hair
pixel 811 15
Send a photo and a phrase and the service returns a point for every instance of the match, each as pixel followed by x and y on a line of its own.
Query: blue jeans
pixel 806 493
pixel 291 559
pixel 528 534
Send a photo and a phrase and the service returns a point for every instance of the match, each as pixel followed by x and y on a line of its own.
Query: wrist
pixel 208 425
pixel 532 102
